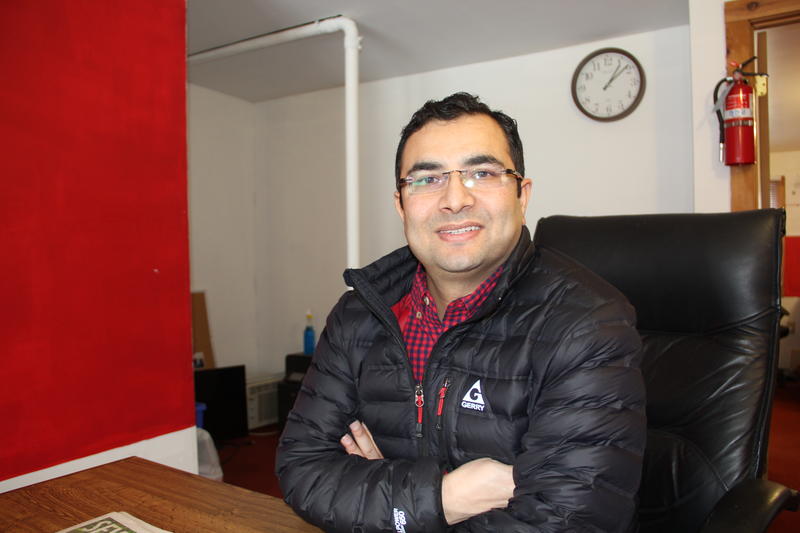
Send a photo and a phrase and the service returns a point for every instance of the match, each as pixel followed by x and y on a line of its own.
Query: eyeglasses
pixel 478 178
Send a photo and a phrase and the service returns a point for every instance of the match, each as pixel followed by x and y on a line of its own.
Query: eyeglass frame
pixel 462 172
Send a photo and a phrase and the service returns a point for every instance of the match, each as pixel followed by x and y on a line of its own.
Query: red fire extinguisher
pixel 738 122
pixel 735 114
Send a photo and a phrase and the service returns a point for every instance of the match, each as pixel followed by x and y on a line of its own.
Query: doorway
pixel 779 45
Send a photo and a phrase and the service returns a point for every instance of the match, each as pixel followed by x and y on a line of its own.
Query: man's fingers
pixel 378 453
pixel 361 442
pixel 350 446
pixel 365 441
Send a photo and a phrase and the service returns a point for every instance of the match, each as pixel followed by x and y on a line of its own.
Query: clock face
pixel 608 84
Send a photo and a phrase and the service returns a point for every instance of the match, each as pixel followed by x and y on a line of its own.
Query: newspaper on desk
pixel 117 522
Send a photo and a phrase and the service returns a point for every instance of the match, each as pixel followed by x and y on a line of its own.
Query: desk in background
pixel 162 496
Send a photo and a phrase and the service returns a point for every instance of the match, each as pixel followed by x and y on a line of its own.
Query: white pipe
pixel 352 45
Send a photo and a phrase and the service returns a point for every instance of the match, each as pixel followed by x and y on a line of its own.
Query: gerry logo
pixel 473 399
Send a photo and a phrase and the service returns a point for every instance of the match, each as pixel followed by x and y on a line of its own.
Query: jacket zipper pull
pixel 419 401
pixel 442 393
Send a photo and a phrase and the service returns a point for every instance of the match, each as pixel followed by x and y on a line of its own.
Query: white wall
pixel 222 220
pixel 300 219
pixel 712 190
pixel 640 164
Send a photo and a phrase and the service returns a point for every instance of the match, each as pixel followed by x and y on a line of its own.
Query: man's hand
pixel 361 443
pixel 476 487
pixel 471 489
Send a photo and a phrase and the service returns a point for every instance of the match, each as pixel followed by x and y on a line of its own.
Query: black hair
pixel 455 106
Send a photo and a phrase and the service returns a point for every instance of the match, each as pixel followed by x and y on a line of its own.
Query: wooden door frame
pixel 742 19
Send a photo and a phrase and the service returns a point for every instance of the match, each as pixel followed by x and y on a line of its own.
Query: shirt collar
pixel 424 306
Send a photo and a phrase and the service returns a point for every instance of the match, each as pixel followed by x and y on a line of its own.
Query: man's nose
pixel 456 196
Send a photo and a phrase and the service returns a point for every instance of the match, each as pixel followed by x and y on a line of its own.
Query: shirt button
pixel 427 301
pixel 419 314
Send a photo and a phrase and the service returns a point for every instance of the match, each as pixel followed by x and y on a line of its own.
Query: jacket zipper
pixel 440 406
pixel 419 401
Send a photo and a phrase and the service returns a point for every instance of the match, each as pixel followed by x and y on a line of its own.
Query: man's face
pixel 460 231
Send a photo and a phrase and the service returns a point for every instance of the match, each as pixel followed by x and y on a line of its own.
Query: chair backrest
pixel 706 288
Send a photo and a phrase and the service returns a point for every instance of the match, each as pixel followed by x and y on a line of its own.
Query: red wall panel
pixel 94 318
pixel 791 266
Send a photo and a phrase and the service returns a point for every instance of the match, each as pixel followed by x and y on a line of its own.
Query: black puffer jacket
pixel 544 377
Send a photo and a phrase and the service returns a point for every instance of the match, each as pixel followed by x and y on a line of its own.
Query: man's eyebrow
pixel 482 159
pixel 425 165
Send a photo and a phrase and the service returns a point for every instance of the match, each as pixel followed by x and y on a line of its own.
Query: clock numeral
pixel 580 88
pixel 588 76
pixel 608 60
pixel 595 65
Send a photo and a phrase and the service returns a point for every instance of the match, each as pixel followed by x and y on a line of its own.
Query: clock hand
pixel 615 76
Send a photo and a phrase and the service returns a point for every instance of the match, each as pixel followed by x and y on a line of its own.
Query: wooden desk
pixel 162 496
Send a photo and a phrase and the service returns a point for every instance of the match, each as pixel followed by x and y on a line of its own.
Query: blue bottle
pixel 308 335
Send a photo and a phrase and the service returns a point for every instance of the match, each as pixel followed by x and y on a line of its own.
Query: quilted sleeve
pixel 340 492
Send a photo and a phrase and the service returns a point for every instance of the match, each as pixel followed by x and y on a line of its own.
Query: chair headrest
pixel 710 269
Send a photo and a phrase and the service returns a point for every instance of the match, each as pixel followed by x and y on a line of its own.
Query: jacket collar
pixel 517 262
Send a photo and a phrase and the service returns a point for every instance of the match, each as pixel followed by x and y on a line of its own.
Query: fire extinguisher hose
pixel 718 111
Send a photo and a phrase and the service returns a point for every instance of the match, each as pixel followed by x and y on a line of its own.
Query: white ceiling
pixel 400 36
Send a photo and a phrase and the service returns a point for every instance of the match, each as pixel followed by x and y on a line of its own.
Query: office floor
pixel 250 462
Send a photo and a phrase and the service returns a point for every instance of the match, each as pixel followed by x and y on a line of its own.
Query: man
pixel 470 381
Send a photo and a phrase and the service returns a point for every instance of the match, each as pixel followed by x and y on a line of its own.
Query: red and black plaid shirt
pixel 419 320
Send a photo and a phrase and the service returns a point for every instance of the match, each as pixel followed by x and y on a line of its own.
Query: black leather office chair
pixel 706 288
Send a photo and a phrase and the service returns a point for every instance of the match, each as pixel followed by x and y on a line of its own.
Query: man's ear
pixel 398 205
pixel 524 195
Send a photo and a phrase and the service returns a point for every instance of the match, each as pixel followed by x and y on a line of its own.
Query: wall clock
pixel 608 84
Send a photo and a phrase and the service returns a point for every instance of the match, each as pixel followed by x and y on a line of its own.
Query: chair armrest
pixel 750 507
